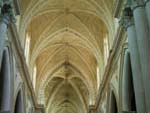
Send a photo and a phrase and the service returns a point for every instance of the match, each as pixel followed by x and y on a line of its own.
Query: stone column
pixel 147 6
pixel 126 83
pixel 128 23
pixel 5 19
pixel 5 98
pixel 143 41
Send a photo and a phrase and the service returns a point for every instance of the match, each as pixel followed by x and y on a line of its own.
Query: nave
pixel 74 56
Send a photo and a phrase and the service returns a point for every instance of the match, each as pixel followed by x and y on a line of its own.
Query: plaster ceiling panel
pixel 38 24
pixel 65 5
pixel 108 3
pixel 94 25
pixel 69 20
pixel 50 63
pixel 82 88
pixel 46 55
pixel 24 5
pixel 51 87
pixel 71 54
pixel 64 96
pixel 73 24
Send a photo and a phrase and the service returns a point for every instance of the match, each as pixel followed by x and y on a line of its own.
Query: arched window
pixel 27 47
pixel 5 82
pixel 98 77
pixel 91 99
pixel 116 21
pixel 17 21
pixel 34 76
pixel 106 49
pixel 19 103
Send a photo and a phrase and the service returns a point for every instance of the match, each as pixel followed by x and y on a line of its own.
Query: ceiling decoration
pixel 66 46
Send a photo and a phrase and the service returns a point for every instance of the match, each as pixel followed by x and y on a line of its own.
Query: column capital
pixel 7 12
pixel 127 18
pixel 137 3
pixel 146 1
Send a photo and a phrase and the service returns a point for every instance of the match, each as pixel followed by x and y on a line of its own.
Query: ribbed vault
pixel 66 46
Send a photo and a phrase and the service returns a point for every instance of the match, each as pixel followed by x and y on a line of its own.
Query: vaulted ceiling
pixel 66 46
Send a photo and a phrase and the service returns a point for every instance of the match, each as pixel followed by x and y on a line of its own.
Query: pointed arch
pixel 127 89
pixel 19 101
pixel 113 108
pixel 5 81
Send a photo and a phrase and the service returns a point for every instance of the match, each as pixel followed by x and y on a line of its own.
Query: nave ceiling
pixel 66 45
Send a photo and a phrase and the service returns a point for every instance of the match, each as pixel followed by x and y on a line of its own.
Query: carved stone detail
pixel 127 18
pixel 7 13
